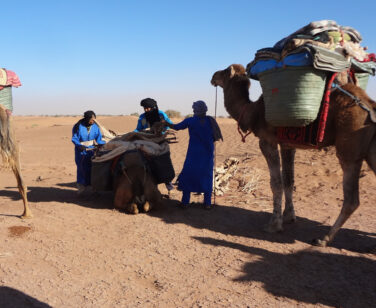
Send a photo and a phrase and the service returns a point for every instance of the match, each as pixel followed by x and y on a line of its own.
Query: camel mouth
pixel 213 83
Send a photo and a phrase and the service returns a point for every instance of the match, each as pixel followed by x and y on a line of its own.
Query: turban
pixel 148 103
pixel 199 108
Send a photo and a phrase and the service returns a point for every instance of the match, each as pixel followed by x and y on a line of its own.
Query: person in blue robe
pixel 197 173
pixel 85 135
pixel 151 115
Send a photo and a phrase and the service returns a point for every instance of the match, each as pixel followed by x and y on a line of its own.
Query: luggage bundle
pixel 294 71
pixel 154 151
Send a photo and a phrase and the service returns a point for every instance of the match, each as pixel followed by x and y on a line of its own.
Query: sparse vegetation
pixel 173 113
pixel 134 114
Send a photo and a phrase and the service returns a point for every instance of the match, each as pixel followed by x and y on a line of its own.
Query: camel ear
pixel 232 71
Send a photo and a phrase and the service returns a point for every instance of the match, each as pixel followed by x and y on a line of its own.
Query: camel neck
pixel 236 99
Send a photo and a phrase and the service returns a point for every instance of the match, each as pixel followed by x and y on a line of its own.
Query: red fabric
pixel 12 80
pixel 325 109
pixel 371 57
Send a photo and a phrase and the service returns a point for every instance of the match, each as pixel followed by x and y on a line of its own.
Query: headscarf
pixel 85 120
pixel 148 103
pixel 199 108
pixel 151 116
pixel 87 117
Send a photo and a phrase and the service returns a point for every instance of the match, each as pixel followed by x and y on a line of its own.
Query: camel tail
pixel 8 148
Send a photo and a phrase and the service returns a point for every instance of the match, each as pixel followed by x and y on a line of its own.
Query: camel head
pixel 221 78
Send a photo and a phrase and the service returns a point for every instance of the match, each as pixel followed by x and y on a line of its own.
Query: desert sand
pixel 79 252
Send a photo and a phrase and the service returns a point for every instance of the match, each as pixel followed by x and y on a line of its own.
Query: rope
pixel 239 130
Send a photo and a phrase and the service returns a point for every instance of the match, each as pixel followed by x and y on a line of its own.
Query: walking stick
pixel 215 152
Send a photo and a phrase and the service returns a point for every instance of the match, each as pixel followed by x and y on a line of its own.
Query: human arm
pixel 99 139
pixel 139 124
pixel 182 125
pixel 166 118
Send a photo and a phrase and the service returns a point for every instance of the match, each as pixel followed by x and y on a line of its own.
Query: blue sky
pixel 72 56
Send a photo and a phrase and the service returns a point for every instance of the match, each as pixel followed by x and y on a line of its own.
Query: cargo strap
pixel 358 101
pixel 239 130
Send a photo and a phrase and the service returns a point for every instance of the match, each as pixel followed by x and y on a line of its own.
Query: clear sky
pixel 75 55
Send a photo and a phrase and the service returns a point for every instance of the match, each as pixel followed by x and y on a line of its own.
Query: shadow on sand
pixel 37 194
pixel 235 221
pixel 309 276
pixel 229 220
pixel 11 298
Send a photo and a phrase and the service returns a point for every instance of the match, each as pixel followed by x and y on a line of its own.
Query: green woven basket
pixel 6 98
pixel 362 79
pixel 292 95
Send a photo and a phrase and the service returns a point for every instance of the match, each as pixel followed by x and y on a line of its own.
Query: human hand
pixel 82 148
pixel 8 112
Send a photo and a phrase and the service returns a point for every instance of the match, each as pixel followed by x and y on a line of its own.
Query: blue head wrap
pixel 199 108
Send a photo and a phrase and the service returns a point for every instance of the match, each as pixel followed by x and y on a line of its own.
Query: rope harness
pixel 239 129
pixel 358 102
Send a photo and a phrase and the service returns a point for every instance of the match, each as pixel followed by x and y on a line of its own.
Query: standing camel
pixel 348 128
pixel 11 157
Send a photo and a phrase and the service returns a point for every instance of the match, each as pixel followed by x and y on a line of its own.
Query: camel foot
pixel 27 215
pixel 321 243
pixel 133 209
pixel 289 216
pixel 147 207
pixel 274 225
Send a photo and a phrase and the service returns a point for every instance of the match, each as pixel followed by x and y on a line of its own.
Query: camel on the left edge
pixel 11 156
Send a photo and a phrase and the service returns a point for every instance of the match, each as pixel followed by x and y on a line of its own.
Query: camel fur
pixel 11 158
pixel 348 128
pixel 134 187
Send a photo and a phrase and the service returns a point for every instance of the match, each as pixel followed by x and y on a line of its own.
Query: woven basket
pixel 6 98
pixel 362 79
pixel 292 95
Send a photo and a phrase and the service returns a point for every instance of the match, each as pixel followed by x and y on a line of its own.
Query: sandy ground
pixel 82 253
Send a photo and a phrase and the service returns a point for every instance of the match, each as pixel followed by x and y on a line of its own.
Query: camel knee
pixel 132 208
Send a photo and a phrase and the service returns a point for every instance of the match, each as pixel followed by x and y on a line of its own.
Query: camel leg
pixel 288 156
pixel 271 154
pixel 16 168
pixel 123 194
pixel 371 156
pixel 152 194
pixel 351 173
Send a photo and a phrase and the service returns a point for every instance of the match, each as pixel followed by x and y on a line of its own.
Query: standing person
pixel 197 173
pixel 86 134
pixel 151 115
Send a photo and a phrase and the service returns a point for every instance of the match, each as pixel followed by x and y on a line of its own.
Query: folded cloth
pixel 119 147
pixel 363 67
pixel 300 57
pixel 327 60
pixel 355 35
pixel 11 79
pixel 312 29
pixel 3 77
